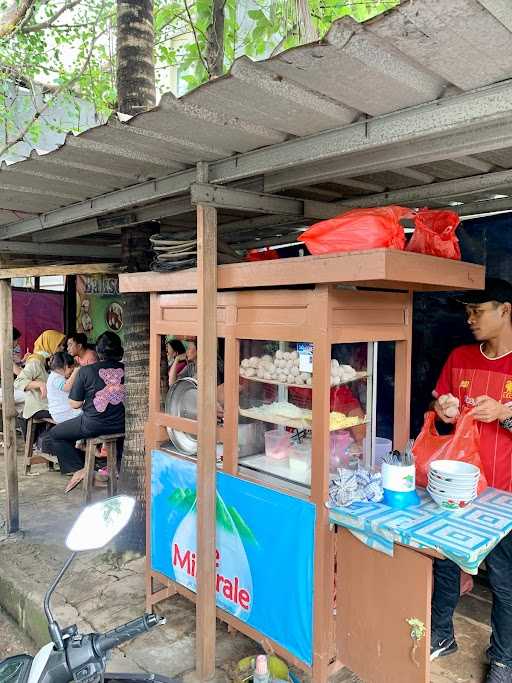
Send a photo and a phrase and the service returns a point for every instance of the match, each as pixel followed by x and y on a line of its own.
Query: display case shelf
pixel 277 468
pixel 289 422
pixel 359 376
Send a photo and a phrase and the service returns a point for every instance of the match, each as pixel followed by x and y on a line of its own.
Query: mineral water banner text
pixel 264 549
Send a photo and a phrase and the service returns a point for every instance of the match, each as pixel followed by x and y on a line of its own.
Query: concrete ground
pixel 97 595
pixel 13 640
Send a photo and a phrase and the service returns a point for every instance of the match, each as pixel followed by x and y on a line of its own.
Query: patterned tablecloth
pixel 466 538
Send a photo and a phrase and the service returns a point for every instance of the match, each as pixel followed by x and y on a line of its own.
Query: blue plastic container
pixel 400 499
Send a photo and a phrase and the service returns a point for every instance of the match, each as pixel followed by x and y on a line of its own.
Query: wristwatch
pixel 507 423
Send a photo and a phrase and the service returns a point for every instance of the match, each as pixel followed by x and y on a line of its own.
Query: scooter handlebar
pixel 107 641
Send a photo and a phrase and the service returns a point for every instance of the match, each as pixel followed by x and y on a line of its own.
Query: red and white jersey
pixel 467 374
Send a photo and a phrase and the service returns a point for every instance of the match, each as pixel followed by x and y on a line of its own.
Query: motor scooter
pixel 72 656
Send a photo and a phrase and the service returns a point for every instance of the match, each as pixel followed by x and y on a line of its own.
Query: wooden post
pixel 206 437
pixel 324 559
pixel 403 351
pixel 8 408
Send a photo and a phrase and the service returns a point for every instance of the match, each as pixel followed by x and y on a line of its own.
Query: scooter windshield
pixel 15 669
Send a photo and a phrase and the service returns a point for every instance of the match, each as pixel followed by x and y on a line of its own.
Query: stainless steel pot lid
pixel 181 401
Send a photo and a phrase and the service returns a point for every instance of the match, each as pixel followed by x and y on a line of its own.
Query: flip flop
pixel 75 480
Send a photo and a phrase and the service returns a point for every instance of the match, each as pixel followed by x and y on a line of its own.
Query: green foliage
pixel 51 55
pixel 256 28
pixel 73 51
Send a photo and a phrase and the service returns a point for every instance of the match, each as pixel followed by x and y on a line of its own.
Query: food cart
pixel 299 385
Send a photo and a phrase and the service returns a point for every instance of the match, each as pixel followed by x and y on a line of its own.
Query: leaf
pixel 243 530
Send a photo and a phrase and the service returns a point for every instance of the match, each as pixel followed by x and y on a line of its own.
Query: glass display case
pixel 275 390
pixel 300 342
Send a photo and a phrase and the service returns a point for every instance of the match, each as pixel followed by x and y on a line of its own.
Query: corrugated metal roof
pixel 422 51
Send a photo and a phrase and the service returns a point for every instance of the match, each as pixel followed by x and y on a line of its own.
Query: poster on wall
pixel 98 305
pixel 264 549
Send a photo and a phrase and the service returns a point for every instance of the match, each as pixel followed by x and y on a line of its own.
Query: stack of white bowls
pixel 453 485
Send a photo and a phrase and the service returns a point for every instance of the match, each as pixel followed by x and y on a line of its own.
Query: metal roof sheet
pixel 420 52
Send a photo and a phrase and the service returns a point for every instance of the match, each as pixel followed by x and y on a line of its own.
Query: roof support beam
pixel 470 122
pixel 69 250
pixel 394 157
pixel 66 232
pixel 243 200
pixel 483 207
pixel 59 269
pixel 149 191
pixel 435 191
pixel 172 207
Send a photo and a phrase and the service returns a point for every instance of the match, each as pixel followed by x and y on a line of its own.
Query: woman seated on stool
pixel 100 392
pixel 33 377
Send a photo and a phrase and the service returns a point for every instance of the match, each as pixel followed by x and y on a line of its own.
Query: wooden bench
pixel 109 450
pixel 39 457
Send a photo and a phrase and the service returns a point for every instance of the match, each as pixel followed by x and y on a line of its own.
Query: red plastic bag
pixel 358 230
pixel 434 234
pixel 261 255
pixel 463 445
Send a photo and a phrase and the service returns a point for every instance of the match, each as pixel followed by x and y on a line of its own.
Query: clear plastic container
pixel 277 444
pixel 340 440
pixel 300 457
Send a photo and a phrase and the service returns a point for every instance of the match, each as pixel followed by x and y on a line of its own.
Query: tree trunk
pixel 135 62
pixel 136 93
pixel 215 40
pixel 307 30
pixel 135 256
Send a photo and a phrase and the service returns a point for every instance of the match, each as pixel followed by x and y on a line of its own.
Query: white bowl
pixel 452 496
pixel 455 493
pixel 454 477
pixel 445 483
pixel 450 485
pixel 455 481
pixel 454 504
pixel 454 468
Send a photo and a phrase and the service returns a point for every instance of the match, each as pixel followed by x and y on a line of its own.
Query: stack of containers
pixel 453 485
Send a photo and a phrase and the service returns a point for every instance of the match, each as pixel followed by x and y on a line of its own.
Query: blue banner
pixel 264 549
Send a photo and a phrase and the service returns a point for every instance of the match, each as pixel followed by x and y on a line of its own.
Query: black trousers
pixel 60 441
pixel 446 597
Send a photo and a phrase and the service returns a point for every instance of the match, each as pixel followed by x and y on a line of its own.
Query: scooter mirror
pixel 99 523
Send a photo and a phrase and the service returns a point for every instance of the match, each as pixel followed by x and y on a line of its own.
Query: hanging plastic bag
pixel 462 445
pixel 434 234
pixel 358 230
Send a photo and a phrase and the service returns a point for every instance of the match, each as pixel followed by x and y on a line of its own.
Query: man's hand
pixel 42 389
pixel 488 410
pixel 447 408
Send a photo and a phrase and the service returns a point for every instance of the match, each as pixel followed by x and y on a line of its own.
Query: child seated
pixel 59 384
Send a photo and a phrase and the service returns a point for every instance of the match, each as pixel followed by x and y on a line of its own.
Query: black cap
pixel 495 290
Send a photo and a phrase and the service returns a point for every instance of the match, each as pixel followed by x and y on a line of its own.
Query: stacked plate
pixel 453 485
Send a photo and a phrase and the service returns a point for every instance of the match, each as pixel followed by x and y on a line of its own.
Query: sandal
pixel 75 480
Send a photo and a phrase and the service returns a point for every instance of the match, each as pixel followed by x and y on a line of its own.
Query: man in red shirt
pixel 479 376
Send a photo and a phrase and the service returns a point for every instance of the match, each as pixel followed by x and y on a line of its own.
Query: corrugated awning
pixel 388 74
